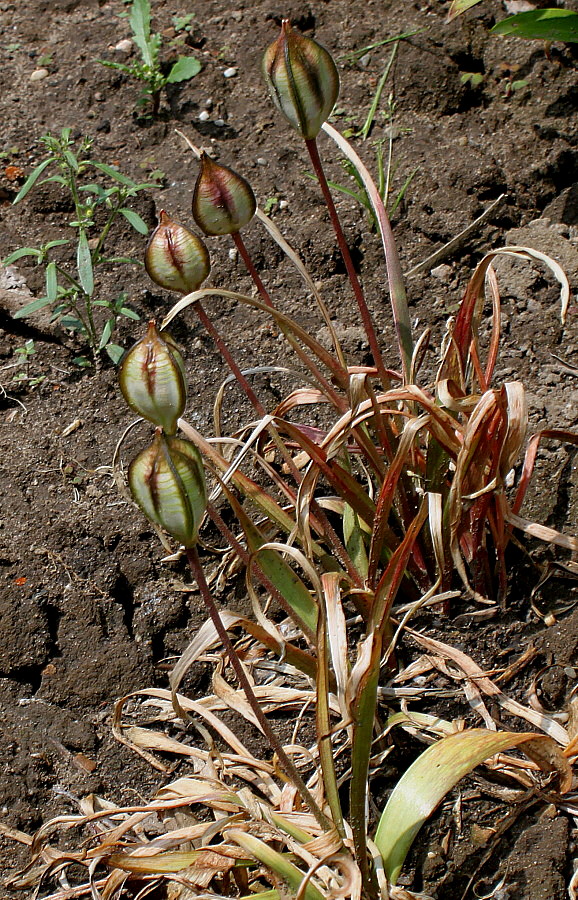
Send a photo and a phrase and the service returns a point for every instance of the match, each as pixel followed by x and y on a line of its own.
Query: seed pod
pixel 223 202
pixel 175 258
pixel 152 379
pixel 302 79
pixel 167 482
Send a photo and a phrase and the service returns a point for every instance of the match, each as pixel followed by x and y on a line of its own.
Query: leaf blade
pixel 422 787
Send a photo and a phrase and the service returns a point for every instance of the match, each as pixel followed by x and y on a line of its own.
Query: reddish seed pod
pixel 167 482
pixel 152 379
pixel 175 258
pixel 223 202
pixel 302 79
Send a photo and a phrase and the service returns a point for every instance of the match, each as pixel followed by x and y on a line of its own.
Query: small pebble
pixel 230 73
pixel 442 272
pixel 204 116
pixel 283 204
pixel 233 254
pixel 220 123
pixel 208 104
pixel 364 60
pixel 39 74
pixel 261 161
pixel 124 46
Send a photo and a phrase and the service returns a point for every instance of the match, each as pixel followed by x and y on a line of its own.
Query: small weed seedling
pixel 24 355
pixel 71 293
pixel 149 68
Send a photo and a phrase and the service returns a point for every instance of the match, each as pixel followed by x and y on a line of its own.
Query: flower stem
pixel 227 356
pixel 352 274
pixel 287 764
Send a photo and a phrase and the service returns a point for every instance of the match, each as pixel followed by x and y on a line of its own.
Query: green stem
pixel 287 763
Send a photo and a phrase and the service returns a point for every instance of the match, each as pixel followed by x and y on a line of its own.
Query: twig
pixel 455 242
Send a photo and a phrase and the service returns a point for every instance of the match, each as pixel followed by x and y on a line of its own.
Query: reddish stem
pixel 276 746
pixel 226 354
pixel 344 249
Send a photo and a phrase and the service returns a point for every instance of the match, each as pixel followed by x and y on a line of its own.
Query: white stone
pixel 39 74
pixel 230 73
pixel 124 46
pixel 204 116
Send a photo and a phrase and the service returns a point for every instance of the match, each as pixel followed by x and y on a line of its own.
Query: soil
pixel 89 610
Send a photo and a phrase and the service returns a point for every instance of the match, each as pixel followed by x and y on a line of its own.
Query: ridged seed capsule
pixel 175 258
pixel 152 379
pixel 302 79
pixel 223 202
pixel 167 482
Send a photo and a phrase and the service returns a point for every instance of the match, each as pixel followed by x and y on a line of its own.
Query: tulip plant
pixel 399 503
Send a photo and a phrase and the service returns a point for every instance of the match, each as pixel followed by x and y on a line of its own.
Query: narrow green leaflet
pixel 51 282
pixel 460 6
pixel 129 313
pixel 541 24
pixel 84 265
pixel 113 173
pixel 140 22
pixel 18 254
pixel 106 332
pixel 185 67
pixel 435 772
pixel 31 308
pixel 71 160
pixel 115 352
pixel 135 220
pixel 32 179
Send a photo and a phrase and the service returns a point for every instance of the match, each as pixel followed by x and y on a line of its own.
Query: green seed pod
pixel 175 258
pixel 223 202
pixel 302 79
pixel 167 482
pixel 152 379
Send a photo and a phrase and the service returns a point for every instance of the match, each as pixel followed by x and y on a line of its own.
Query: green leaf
pixel 82 362
pixel 51 282
pixel 135 220
pixel 71 160
pixel 435 772
pixel 113 173
pixel 186 67
pixel 106 332
pixel 279 864
pixel 115 352
pixel 32 307
pixel 73 323
pixel 115 65
pixel 32 179
pixel 129 313
pixel 18 254
pixel 280 573
pixel 122 259
pixel 52 244
pixel 459 6
pixel 140 22
pixel 84 265
pixel 541 24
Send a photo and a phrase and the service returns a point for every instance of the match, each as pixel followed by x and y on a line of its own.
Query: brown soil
pixel 88 608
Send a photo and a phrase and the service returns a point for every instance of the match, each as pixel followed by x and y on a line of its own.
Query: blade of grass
pixel 367 125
